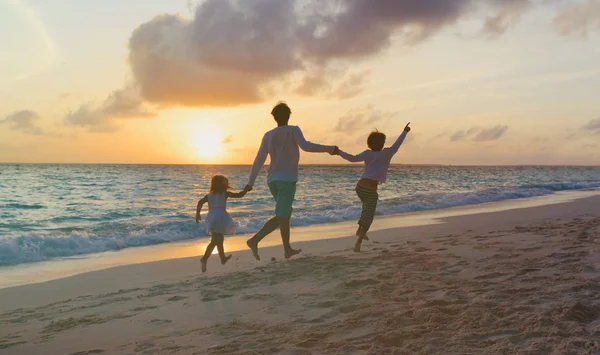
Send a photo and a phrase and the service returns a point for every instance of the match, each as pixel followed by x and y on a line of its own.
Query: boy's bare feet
pixel 292 252
pixel 203 263
pixel 357 245
pixel 362 233
pixel 254 247
pixel 225 259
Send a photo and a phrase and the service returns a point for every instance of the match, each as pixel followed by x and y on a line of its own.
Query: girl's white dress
pixel 218 219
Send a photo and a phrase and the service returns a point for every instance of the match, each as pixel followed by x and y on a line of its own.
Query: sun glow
pixel 209 146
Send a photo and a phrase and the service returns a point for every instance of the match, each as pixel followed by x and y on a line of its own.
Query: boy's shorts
pixel 284 193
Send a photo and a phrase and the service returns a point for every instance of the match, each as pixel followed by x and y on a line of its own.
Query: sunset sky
pixel 149 81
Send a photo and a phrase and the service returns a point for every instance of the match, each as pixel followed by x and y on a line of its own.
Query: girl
pixel 218 221
pixel 377 161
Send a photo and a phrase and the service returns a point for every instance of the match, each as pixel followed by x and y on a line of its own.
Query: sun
pixel 208 146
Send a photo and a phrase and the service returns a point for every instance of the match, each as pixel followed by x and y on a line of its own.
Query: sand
pixel 522 281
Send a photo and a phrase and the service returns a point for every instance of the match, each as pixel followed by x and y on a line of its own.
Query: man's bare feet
pixel 292 252
pixel 203 263
pixel 254 247
pixel 226 259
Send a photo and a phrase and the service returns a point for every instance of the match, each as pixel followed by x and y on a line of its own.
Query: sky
pixel 193 82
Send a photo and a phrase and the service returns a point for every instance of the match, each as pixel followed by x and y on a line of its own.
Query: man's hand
pixel 248 188
pixel 407 128
pixel 336 151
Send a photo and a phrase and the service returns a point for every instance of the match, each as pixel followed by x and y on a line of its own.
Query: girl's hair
pixel 219 184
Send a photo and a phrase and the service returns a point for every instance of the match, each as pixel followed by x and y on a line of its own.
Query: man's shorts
pixel 284 193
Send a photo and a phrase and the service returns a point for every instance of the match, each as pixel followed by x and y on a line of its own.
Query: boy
pixel 377 161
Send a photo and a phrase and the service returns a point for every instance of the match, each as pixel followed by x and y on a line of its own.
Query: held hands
pixel 248 188
pixel 336 151
pixel 407 128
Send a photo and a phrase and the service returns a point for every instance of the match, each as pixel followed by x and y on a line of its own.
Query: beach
pixel 515 281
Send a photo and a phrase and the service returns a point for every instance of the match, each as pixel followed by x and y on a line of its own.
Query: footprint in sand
pixel 176 298
pixel 359 283
pixel 86 352
pixel 160 321
pixel 492 275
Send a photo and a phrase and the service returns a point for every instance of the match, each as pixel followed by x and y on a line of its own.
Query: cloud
pixel 491 134
pixel 235 52
pixel 125 103
pixel 508 13
pixel 579 19
pixel 361 119
pixel 479 134
pixel 592 126
pixel 23 121
pixel 318 82
pixel 227 139
pixel 64 95
pixel 462 134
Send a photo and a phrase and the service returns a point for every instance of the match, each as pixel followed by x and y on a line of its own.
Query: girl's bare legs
pixel 219 239
pixel 209 249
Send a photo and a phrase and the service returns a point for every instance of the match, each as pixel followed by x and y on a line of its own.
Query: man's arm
pixel 394 148
pixel 353 158
pixel 309 146
pixel 259 161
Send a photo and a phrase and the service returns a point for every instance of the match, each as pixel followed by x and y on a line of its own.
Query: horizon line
pixel 314 164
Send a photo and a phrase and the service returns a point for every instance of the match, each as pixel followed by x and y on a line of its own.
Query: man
pixel 281 144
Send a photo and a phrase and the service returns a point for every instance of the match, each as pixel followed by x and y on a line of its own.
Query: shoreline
pixel 521 280
pixel 44 271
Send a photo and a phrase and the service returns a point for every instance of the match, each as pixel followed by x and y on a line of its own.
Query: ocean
pixel 53 211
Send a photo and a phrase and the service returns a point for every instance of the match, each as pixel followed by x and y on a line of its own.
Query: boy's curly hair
pixel 376 141
pixel 219 184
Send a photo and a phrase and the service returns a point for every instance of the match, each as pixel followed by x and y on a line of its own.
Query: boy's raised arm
pixel 309 146
pixel 394 148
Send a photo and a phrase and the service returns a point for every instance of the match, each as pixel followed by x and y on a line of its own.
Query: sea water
pixel 50 211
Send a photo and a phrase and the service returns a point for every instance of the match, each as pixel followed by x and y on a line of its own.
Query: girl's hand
pixel 198 219
pixel 407 129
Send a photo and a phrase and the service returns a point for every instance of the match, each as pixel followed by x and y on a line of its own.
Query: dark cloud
pixel 231 50
pixel 235 52
pixel 362 119
pixel 479 134
pixel 124 103
pixel 593 126
pixel 490 134
pixel 579 18
pixel 227 139
pixel 23 121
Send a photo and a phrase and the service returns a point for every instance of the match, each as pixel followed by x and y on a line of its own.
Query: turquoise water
pixel 49 211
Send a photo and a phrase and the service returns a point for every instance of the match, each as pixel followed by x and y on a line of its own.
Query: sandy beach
pixel 520 281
